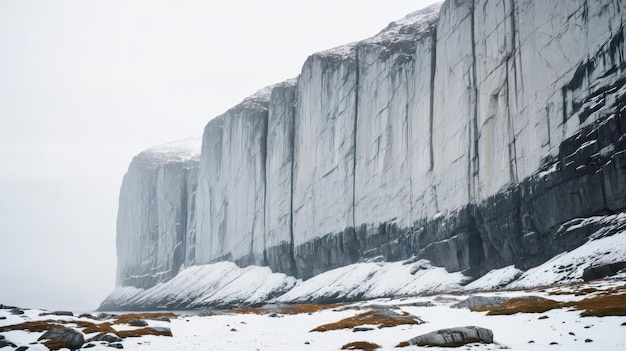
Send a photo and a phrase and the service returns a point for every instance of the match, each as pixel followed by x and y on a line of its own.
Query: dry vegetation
pixel 56 344
pixel 95 328
pixel 361 345
pixel 125 318
pixel 35 326
pixel 290 309
pixel 379 318
pixel 602 305
pixel 141 332
pixel 521 306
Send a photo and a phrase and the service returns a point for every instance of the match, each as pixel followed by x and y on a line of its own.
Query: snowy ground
pixel 237 331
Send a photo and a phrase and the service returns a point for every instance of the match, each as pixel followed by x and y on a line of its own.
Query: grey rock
pixel 138 323
pixel 107 337
pixel 89 345
pixel 601 271
pixel 17 311
pixel 22 348
pixel 454 337
pixel 163 330
pixel 57 313
pixel 3 317
pixel 476 301
pixel 116 346
pixel 74 338
pixel 5 343
pixel 362 329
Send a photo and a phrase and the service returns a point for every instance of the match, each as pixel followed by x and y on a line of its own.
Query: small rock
pixel 571 333
pixel 454 337
pixel 161 319
pixel 22 348
pixel 531 342
pixel 104 316
pixel 621 324
pixel 2 317
pixel 554 343
pixel 4 343
pixel 233 329
pixel 138 323
pixel 361 329
pixel 164 331
pixel 17 311
pixel 589 326
pixel 116 345
pixel 62 313
pixel 107 337
pixel 87 315
pixel 272 315
pixel 88 346
pixel 588 340
pixel 307 343
pixel 543 317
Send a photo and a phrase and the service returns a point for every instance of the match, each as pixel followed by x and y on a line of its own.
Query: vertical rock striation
pixel 156 203
pixel 475 134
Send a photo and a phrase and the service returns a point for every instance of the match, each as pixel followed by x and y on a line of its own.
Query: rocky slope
pixel 473 134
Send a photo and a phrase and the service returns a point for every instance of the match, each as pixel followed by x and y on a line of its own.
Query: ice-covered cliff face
pixel 471 134
pixel 155 215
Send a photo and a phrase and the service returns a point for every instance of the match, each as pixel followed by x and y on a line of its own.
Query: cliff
pixel 474 134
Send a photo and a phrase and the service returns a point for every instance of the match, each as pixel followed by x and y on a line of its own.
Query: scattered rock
pixel 588 340
pixel 161 319
pixel 601 271
pixel 88 346
pixel 453 337
pixel 307 343
pixel 589 326
pixel 105 316
pixel 543 317
pixel 2 317
pixel 138 323
pixel 106 337
pixel 621 324
pixel 22 348
pixel 531 342
pixel 17 311
pixel 422 304
pixel 233 329
pixel 362 329
pixel 65 337
pixel 4 343
pixel 87 315
pixel 273 315
pixel 116 345
pixel 57 313
pixel 5 307
pixel 554 343
pixel 361 345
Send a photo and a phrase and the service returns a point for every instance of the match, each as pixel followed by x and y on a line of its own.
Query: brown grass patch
pixel 361 345
pixel 379 318
pixel 602 305
pixel 403 344
pixel 34 326
pixel 90 327
pixel 142 332
pixel 55 344
pixel 125 318
pixel 290 309
pixel 247 310
pixel 521 306
pixel 306 308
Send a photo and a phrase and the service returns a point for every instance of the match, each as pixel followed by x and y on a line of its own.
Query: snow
pixel 568 267
pixel 494 279
pixel 291 332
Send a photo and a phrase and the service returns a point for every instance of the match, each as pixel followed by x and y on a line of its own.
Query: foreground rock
pixel 452 337
pixel 63 338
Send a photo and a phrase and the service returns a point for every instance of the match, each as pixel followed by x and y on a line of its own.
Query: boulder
pixel 476 302
pixel 601 271
pixel 73 339
pixel 454 337
pixel 138 323
pixel 4 343
pixel 110 338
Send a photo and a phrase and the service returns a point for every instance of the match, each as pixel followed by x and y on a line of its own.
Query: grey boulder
pixel 74 338
pixel 454 337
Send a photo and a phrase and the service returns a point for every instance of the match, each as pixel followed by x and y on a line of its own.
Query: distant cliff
pixel 474 134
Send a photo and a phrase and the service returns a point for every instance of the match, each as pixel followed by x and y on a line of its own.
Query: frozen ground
pixel 227 330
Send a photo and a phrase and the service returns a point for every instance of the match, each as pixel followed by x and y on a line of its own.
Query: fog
pixel 86 85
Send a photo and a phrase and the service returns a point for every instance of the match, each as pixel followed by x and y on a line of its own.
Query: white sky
pixel 86 85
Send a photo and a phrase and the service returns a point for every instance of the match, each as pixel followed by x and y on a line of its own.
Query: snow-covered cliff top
pixel 176 151
pixel 407 29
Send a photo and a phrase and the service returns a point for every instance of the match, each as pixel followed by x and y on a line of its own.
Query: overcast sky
pixel 86 85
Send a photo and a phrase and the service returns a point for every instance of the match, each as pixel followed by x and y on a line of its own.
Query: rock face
pixel 156 212
pixel 474 134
